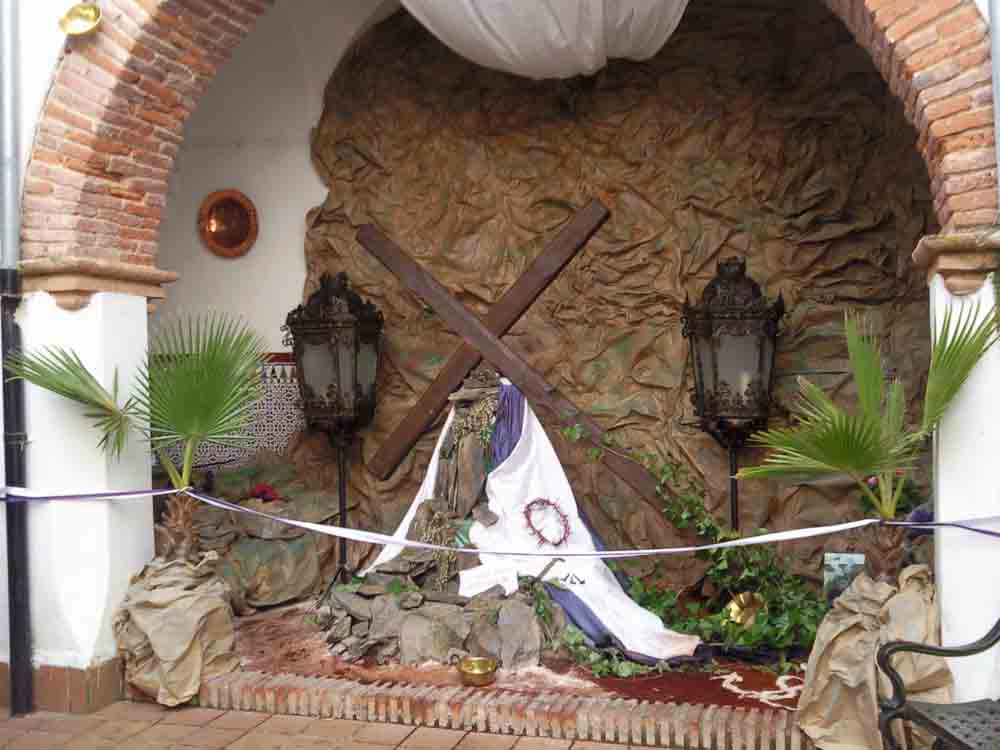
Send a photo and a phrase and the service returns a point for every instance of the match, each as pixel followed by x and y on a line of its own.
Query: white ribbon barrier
pixel 20 494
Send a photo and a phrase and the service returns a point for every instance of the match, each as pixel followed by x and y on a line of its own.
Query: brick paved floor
pixel 142 726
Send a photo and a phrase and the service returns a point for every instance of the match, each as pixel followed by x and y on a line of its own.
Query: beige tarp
pixel 174 630
pixel 838 708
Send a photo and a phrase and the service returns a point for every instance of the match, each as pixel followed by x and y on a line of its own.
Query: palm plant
pixel 198 384
pixel 874 445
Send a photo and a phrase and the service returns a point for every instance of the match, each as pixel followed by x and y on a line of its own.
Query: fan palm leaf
pixel 874 443
pixel 62 372
pixel 199 384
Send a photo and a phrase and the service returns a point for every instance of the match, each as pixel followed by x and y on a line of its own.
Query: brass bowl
pixel 477 671
pixel 81 19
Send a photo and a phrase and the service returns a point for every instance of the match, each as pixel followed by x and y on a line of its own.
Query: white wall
pixel 966 446
pixel 82 554
pixel 251 132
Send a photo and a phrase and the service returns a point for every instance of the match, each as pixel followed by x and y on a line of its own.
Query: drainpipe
pixel 10 340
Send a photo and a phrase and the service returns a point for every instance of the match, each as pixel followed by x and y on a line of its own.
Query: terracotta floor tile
pixel 132 711
pixel 38 741
pixel 7 735
pixel 476 741
pixel 90 742
pixel 383 734
pixel 302 742
pixel 164 734
pixel 211 738
pixel 260 741
pixel 239 720
pixel 21 723
pixel 542 743
pixel 587 745
pixel 430 738
pixel 118 730
pixel 74 725
pixel 192 716
pixel 334 728
pixel 286 724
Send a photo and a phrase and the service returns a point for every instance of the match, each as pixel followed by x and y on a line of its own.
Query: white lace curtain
pixel 550 38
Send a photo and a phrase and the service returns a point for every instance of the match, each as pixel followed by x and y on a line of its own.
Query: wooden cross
pixel 513 365
pixel 501 317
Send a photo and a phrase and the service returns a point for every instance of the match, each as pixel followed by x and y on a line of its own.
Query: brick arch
pixel 112 124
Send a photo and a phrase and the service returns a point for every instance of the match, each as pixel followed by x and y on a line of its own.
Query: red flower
pixel 264 491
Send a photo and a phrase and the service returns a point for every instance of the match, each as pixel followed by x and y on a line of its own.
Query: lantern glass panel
pixel 319 371
pixel 738 357
pixel 704 374
pixel 368 351
pixel 347 357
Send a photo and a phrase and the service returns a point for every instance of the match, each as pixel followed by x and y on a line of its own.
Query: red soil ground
pixel 286 641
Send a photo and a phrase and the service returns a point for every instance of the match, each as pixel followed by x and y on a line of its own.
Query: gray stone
pixel 443 597
pixel 520 635
pixel 370 590
pixel 387 651
pixel 452 616
pixel 484 515
pixel 422 639
pixel 484 640
pixel 340 630
pixel 360 629
pixel 387 618
pixel 356 606
pixel 360 647
pixel 325 615
pixel 410 600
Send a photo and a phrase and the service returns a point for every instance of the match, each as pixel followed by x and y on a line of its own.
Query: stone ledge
pixel 549 715
pixel 72 281
pixel 962 259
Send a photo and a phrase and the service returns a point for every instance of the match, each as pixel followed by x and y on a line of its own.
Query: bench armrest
pixel 887 650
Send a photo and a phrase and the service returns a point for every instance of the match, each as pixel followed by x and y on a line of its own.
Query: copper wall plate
pixel 227 223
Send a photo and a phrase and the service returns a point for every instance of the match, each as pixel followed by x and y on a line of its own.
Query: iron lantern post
pixel 336 340
pixel 733 334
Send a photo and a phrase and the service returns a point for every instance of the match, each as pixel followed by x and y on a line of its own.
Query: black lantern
pixel 733 333
pixel 336 339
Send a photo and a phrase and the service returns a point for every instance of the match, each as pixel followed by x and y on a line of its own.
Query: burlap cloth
pixel 839 706
pixel 174 630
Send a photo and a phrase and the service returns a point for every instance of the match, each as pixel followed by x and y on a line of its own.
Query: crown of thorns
pixel 541 505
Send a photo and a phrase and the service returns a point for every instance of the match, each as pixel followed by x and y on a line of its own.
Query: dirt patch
pixel 287 641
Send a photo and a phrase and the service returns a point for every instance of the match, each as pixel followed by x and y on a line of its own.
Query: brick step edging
pixel 505 711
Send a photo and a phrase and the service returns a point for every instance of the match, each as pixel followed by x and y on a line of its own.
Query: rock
pixel 444 597
pixel 493 593
pixel 520 635
pixel 325 615
pixel 387 651
pixel 422 639
pixel 484 640
pixel 266 528
pixel 340 630
pixel 387 618
pixel 356 606
pixel 452 616
pixel 360 629
pixel 410 599
pixel 370 590
pixel 338 649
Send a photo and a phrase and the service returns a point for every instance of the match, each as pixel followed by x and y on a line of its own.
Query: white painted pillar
pixel 82 554
pixel 967 485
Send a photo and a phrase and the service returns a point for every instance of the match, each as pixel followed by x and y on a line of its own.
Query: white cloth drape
pixel 550 38
pixel 531 471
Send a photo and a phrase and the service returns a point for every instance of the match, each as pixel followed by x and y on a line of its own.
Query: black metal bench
pixel 974 725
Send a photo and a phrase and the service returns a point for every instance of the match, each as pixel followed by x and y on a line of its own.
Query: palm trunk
pixel 180 537
pixel 884 548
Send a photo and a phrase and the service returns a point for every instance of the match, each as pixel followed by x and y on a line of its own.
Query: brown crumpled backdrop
pixel 760 130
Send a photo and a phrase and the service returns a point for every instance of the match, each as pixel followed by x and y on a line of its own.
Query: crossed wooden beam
pixel 482 339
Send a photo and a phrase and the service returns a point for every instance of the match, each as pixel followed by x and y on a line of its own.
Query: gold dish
pixel 477 671
pixel 81 19
pixel 744 607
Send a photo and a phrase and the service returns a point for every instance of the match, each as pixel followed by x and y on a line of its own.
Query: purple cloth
pixel 510 417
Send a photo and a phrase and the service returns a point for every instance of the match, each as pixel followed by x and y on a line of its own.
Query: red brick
pixel 978 218
pixel 925 13
pixel 974 200
pixel 961 122
pixel 960 21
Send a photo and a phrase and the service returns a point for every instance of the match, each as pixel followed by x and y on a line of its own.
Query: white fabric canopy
pixel 550 38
